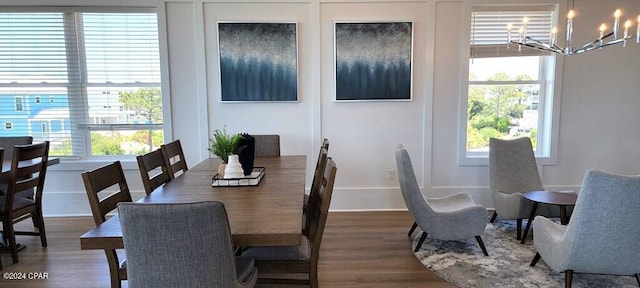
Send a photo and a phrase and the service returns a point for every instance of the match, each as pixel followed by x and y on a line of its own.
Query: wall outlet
pixel 391 174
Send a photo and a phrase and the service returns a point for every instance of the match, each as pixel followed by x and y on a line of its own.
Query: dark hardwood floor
pixel 359 249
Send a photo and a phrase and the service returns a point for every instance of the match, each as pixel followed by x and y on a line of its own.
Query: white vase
pixel 234 168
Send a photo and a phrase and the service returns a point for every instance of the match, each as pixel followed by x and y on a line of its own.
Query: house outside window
pixel 71 56
pixel 510 91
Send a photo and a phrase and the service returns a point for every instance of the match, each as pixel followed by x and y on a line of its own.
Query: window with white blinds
pixel 489 29
pixel 89 82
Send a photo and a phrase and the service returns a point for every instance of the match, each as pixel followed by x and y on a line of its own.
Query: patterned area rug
pixel 462 263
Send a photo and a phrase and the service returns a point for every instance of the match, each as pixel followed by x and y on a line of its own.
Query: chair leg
pixel 413 228
pixel 484 250
pixel 39 223
pixel 535 259
pixel 493 217
pixel 518 229
pixel 568 278
pixel 11 238
pixel 424 236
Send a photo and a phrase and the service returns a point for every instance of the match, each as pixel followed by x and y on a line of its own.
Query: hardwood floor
pixel 359 249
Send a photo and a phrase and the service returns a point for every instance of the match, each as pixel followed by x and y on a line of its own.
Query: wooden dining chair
pixel 28 175
pixel 290 260
pixel 267 145
pixel 99 180
pixel 174 158
pixel 312 198
pixel 154 170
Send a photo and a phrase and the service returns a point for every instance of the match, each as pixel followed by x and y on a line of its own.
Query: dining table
pixel 266 214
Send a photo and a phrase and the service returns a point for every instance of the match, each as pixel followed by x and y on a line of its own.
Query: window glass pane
pixel 504 68
pixel 125 105
pixel 501 111
pixel 125 142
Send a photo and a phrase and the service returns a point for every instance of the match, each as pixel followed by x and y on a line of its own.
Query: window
pixel 8 126
pixel 510 89
pixel 100 71
pixel 19 104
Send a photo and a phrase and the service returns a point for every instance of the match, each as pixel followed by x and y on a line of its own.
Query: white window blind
pixel 100 72
pixel 489 29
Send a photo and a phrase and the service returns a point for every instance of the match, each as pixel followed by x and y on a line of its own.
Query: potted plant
pixel 222 145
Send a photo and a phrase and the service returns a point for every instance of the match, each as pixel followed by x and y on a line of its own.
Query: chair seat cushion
pixel 277 253
pixel 18 202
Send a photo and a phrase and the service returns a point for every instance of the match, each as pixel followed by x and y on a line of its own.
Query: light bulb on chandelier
pixel 551 46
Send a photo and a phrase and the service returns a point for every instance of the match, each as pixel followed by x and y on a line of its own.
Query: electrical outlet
pixel 391 174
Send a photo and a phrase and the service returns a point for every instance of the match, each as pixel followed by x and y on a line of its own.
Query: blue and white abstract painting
pixel 258 61
pixel 373 61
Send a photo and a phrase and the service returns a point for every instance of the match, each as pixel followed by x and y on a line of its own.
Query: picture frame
pixel 373 61
pixel 258 61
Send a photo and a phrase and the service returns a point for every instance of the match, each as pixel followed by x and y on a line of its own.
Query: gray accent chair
pixel 266 145
pixel 453 217
pixel 512 172
pixel 185 245
pixel 602 235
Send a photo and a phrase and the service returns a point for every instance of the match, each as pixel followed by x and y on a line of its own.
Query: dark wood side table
pixel 560 199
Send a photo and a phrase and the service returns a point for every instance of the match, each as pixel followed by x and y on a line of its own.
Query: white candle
pixel 616 23
pixel 627 24
pixel 525 20
pixel 508 34
pixel 603 27
pixel 520 33
pixel 554 34
pixel 570 16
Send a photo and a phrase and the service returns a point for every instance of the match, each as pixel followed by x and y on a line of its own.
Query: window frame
pixel 549 100
pixel 84 153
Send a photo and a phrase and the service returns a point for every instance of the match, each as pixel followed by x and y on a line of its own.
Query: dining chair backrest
pixel 267 145
pixel 325 144
pixel 28 172
pixel 9 141
pixel 106 179
pixel 150 233
pixel 174 157
pixel 100 180
pixel 321 210
pixel 315 187
pixel 153 170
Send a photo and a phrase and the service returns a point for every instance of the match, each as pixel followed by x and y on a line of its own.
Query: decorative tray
pixel 252 179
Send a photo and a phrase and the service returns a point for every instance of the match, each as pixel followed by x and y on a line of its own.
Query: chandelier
pixel 605 39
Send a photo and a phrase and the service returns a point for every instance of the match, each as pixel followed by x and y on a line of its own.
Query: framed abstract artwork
pixel 373 61
pixel 258 61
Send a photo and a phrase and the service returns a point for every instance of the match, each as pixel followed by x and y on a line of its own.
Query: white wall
pixel 598 122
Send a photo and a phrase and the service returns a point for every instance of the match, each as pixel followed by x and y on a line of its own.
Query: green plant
pixel 224 144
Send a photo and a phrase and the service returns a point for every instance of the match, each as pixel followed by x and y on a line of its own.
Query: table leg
pixel 563 215
pixel 531 215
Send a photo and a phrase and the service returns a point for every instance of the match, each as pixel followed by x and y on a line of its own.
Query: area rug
pixel 462 263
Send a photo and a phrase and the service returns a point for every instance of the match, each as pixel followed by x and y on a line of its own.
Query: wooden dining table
pixel 268 214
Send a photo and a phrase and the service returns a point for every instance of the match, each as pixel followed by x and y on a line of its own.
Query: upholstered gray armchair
pixel 512 172
pixel 602 236
pixel 182 245
pixel 453 217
